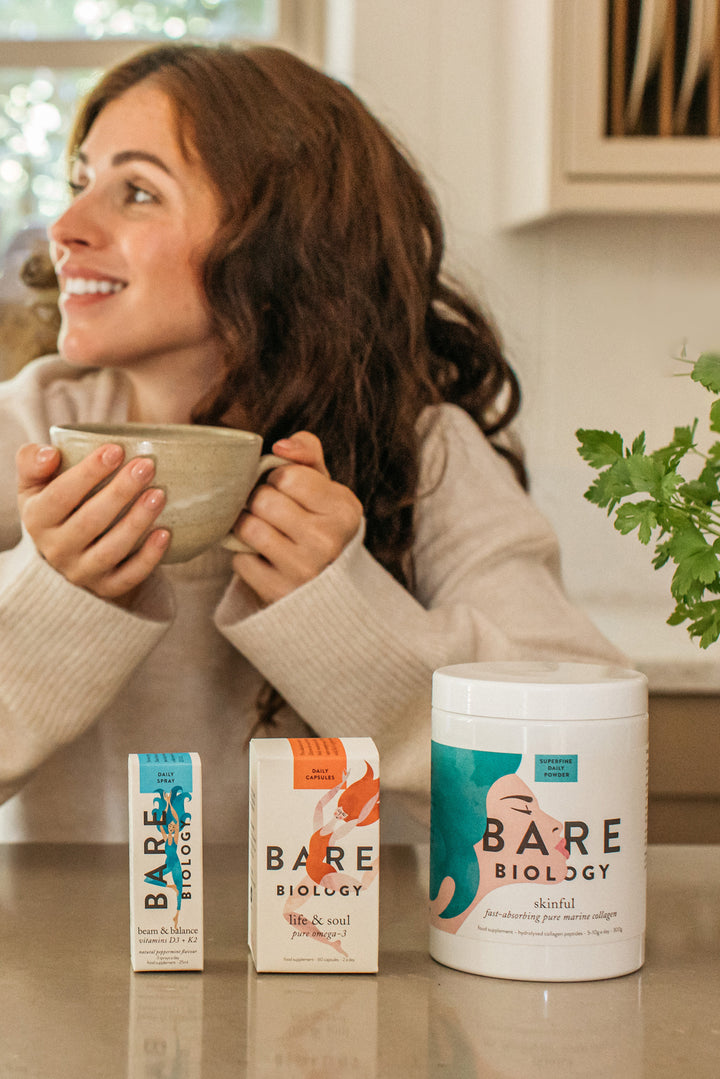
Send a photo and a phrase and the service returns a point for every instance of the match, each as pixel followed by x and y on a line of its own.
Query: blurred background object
pixel 29 316
pixel 663 68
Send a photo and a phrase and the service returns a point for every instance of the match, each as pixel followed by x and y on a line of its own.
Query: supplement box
pixel 166 864
pixel 314 855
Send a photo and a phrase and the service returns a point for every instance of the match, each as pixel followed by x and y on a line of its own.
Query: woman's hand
pixel 75 533
pixel 298 521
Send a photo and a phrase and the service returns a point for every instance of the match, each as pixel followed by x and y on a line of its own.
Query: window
pixel 91 20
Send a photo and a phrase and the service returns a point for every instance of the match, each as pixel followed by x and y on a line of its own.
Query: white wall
pixel 592 309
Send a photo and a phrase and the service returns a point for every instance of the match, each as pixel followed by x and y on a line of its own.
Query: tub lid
pixel 540 690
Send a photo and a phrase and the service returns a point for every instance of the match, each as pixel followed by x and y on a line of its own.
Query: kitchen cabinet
pixel 608 106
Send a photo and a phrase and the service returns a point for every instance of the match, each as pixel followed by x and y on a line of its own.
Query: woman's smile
pixel 88 286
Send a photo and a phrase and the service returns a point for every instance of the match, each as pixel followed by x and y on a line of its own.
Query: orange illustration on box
pixel 357 806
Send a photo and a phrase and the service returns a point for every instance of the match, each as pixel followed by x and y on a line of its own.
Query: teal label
pixel 488 829
pixel 556 769
pixel 165 770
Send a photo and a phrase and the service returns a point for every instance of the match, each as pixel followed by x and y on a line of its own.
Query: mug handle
pixel 267 462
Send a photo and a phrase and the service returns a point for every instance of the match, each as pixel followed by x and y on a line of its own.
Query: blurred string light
pixel 37 105
pixel 52 19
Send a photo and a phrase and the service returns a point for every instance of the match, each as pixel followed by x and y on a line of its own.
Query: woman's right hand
pixel 73 532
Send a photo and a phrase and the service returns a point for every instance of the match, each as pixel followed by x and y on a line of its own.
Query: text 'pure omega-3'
pixel 539 820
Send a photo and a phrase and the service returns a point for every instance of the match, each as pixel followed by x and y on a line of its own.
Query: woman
pixel 247 246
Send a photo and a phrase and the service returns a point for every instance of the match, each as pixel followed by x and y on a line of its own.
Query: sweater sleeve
pixel 64 654
pixel 353 651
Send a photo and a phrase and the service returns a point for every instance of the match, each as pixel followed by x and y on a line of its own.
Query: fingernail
pixel 161 537
pixel 283 444
pixel 142 469
pixel 154 498
pixel 45 454
pixel 112 456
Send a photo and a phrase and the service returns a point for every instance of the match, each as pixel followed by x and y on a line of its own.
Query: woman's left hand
pixel 297 522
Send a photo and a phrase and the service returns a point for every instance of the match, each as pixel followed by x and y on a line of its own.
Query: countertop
pixel 671 659
pixel 70 1004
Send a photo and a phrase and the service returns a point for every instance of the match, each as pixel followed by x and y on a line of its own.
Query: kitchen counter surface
pixel 70 1004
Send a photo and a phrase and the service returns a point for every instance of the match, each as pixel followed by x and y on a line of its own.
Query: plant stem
pixel 706 519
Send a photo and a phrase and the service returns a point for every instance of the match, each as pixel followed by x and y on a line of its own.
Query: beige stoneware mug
pixel 206 473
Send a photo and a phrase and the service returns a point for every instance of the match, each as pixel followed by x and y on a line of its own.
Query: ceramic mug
pixel 206 474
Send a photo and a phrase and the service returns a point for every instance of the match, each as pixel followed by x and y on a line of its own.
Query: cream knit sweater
pixel 83 683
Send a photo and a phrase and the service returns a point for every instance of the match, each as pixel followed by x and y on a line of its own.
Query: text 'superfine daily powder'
pixel 166 861
pixel 539 820
pixel 314 855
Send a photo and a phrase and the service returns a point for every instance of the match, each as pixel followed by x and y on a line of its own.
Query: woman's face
pixel 129 249
pixel 511 802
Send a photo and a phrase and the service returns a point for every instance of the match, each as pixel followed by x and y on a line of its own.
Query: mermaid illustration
pixel 468 787
pixel 357 806
pixel 169 806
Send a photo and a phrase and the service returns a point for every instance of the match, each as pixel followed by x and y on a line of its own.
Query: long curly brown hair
pixel 324 279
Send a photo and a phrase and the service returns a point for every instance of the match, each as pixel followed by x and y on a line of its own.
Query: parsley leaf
pixel 600 448
pixel 640 515
pixel 706 371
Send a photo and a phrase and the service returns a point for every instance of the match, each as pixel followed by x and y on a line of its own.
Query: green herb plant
pixel 649 495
